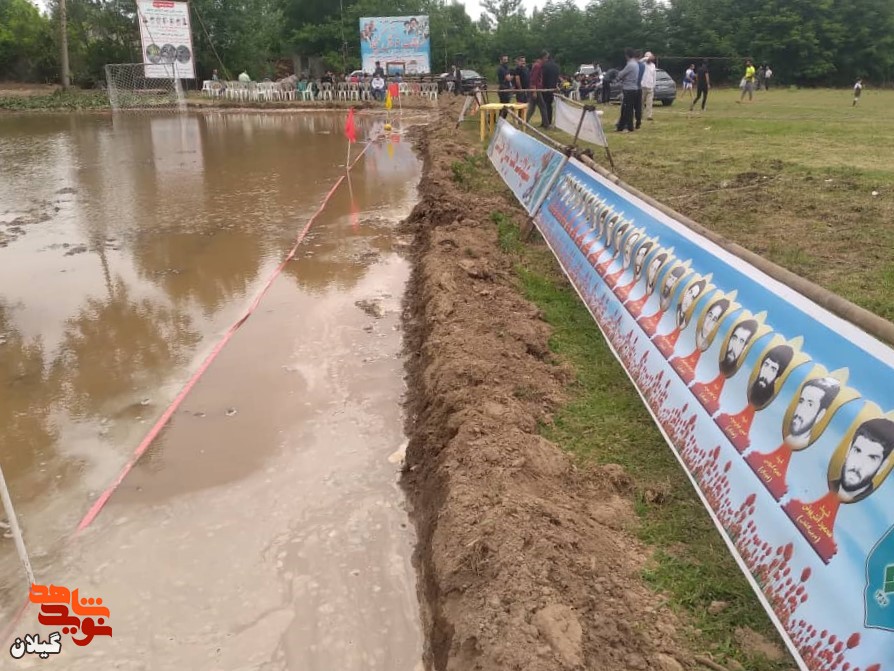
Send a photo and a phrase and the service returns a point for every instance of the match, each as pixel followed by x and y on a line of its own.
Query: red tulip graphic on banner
pixel 859 466
pixel 745 331
pixel 772 369
pixel 809 412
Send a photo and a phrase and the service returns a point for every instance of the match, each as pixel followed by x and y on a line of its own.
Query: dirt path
pixel 524 560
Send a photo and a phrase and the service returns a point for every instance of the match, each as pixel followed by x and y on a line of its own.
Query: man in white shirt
pixel 648 83
pixel 244 78
pixel 378 87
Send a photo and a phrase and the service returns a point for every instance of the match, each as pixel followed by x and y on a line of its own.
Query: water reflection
pixel 131 244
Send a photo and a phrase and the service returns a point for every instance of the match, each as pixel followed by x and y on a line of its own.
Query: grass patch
pixel 68 101
pixel 469 172
pixel 790 177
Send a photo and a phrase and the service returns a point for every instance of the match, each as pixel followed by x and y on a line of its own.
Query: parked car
pixel 586 69
pixel 471 81
pixel 665 89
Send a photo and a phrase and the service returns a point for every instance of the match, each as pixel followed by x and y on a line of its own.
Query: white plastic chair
pixel 326 91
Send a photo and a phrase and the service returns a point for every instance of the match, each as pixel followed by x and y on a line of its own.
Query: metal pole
pixel 15 529
pixel 63 20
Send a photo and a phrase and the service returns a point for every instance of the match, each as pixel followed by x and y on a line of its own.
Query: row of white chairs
pixel 286 90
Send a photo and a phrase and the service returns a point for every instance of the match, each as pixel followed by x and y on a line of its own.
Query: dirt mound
pixel 524 560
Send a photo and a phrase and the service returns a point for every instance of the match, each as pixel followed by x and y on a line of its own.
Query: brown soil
pixel 525 561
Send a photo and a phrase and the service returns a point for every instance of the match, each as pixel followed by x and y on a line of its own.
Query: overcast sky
pixel 473 7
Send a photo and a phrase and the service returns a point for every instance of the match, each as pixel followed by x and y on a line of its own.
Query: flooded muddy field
pixel 264 528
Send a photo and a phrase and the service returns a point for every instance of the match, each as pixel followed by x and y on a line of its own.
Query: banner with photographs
pixel 401 44
pixel 526 165
pixel 166 38
pixel 781 413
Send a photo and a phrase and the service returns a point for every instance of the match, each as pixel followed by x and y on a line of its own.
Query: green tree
pixel 24 36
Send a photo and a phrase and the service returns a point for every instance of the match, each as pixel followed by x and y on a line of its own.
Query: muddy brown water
pixel 264 529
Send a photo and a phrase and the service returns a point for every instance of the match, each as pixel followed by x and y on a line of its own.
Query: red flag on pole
pixel 350 129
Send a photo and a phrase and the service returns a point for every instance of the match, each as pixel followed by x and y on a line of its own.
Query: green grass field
pixel 789 176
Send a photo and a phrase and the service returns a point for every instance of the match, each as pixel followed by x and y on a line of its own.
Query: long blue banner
pixel 779 411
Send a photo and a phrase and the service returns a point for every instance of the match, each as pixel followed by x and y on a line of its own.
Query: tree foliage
pixel 806 41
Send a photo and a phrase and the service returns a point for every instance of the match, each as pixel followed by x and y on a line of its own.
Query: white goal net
pixel 130 90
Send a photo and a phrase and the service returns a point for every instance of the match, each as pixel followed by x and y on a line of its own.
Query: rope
pixel 210 43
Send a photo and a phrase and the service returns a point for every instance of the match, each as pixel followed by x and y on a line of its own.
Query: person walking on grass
pixel 535 100
pixel 504 80
pixel 748 82
pixel 689 80
pixel 768 74
pixel 522 78
pixel 641 71
pixel 649 84
pixel 629 78
pixel 858 91
pixel 551 74
pixel 703 85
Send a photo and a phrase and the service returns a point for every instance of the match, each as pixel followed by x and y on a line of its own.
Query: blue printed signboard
pixel 401 44
pixel 781 413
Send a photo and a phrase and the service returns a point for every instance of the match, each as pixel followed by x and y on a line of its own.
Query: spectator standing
pixel 858 91
pixel 748 82
pixel 536 100
pixel 648 83
pixel 550 82
pixel 689 80
pixel 761 75
pixel 638 107
pixel 522 79
pixel 768 74
pixel 457 80
pixel 504 80
pixel 243 77
pixel 607 79
pixel 703 85
pixel 629 79
pixel 379 72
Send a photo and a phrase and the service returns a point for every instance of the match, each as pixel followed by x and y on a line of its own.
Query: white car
pixel 585 69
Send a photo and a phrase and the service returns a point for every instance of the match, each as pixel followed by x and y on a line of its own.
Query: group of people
pixel 637 79
pixel 535 86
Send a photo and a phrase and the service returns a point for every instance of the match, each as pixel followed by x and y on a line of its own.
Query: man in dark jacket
pixel 551 74
pixel 504 80
pixel 522 79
